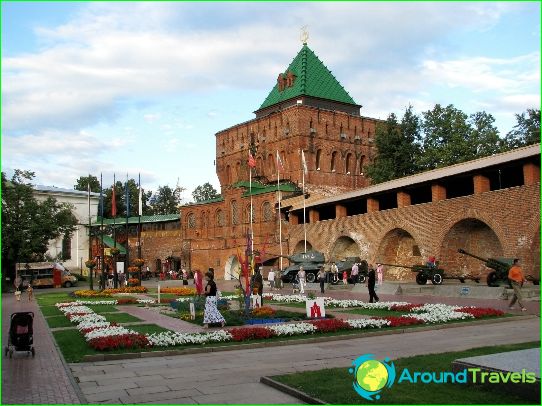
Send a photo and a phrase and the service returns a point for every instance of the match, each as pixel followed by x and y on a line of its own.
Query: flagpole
pixel 280 219
pixel 127 257
pixel 102 254
pixel 140 210
pixel 250 215
pixel 89 234
pixel 304 208
pixel 114 200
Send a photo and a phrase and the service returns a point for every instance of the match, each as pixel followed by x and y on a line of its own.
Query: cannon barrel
pixel 411 267
pixel 490 262
pixel 462 251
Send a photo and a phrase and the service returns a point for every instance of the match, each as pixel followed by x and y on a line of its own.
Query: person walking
pixel 516 277
pixel 257 284
pixel 211 313
pixel 354 273
pixel 380 273
pixel 345 278
pixel 321 278
pixel 371 285
pixel 301 276
pixel 271 279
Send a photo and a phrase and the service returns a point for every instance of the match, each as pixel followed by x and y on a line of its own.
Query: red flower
pixel 402 321
pixel 330 325
pixel 126 300
pixel 250 333
pixel 405 308
pixel 479 312
pixel 121 341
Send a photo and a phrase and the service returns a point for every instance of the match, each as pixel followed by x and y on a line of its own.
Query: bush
pixel 80 278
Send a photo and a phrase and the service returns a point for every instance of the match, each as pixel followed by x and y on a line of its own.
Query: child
pixel 345 278
pixel 18 295
pixel 30 292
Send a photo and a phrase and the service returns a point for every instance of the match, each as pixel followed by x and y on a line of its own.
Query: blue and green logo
pixel 372 376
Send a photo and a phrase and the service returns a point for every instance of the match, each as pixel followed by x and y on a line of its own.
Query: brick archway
pixel 534 253
pixel 472 235
pixel 343 247
pixel 300 247
pixel 398 246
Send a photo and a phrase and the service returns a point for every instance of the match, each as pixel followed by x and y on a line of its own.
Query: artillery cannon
pixel 500 267
pixel 311 261
pixel 425 273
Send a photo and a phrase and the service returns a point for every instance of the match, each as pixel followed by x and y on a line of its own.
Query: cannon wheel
pixel 421 279
pixel 361 278
pixel 334 280
pixel 311 277
pixel 436 279
pixel 492 279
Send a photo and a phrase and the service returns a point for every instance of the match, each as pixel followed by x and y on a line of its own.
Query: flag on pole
pixel 251 160
pixel 113 200
pixel 127 198
pixel 101 199
pixel 280 165
pixel 140 197
pixel 304 163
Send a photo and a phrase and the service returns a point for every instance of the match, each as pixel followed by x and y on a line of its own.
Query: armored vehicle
pixel 311 261
pixel 346 265
pixel 500 267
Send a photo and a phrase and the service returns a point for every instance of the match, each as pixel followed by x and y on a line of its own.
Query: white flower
pixel 108 332
pixel 368 323
pixel 292 329
pixel 146 301
pixel 168 338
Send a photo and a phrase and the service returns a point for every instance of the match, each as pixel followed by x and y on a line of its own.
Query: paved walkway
pixel 40 380
pixel 233 376
pixel 222 377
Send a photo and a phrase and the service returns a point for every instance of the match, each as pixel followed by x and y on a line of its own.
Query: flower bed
pixel 104 336
pixel 179 291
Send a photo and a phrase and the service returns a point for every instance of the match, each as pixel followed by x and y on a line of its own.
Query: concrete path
pixel 40 380
pixel 233 376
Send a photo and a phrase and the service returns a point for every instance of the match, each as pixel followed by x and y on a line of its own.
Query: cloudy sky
pixel 143 87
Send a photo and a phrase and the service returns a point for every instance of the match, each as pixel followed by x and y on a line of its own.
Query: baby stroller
pixel 295 285
pixel 21 334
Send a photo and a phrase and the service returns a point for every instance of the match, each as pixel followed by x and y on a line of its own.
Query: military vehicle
pixel 311 261
pixel 425 273
pixel 500 267
pixel 346 265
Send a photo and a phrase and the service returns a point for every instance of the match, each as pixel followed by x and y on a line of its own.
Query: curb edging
pixel 269 381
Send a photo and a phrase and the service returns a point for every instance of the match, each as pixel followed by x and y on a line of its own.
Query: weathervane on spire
pixel 304 35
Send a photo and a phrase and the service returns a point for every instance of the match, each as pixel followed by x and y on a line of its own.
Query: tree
pixel 204 192
pixel 484 135
pixel 166 200
pixel 397 148
pixel 526 131
pixel 83 181
pixel 28 225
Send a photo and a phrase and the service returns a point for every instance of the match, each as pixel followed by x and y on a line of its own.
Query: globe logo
pixel 371 376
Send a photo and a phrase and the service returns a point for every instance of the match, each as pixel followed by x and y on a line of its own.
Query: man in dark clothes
pixel 257 283
pixel 371 284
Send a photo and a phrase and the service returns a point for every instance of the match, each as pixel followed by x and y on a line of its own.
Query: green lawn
pixel 370 312
pixel 59 321
pixel 121 318
pixel 338 382
pixel 51 311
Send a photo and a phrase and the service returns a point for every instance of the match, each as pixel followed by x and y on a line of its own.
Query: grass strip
pixel 338 382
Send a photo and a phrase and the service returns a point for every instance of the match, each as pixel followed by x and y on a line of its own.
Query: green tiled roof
pixel 285 187
pixel 111 243
pixel 157 218
pixel 312 79
pixel 214 200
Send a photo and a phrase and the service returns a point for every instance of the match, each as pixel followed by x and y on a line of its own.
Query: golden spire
pixel 304 35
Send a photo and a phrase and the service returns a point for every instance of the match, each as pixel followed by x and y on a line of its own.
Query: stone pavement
pixel 233 376
pixel 40 380
pixel 228 376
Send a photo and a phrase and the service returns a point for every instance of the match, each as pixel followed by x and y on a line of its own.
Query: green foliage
pixel 27 224
pixel 204 192
pixel 83 182
pixel 442 137
pixel 396 145
pixel 166 200
pixel 526 131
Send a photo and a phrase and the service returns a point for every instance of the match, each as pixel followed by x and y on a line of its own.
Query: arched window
pixel 361 164
pixel 228 175
pixel 267 211
pixel 220 218
pixel 283 159
pixel 318 159
pixel 347 163
pixel 234 213
pixel 247 216
pixel 334 161
pixel 271 164
pixel 191 220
